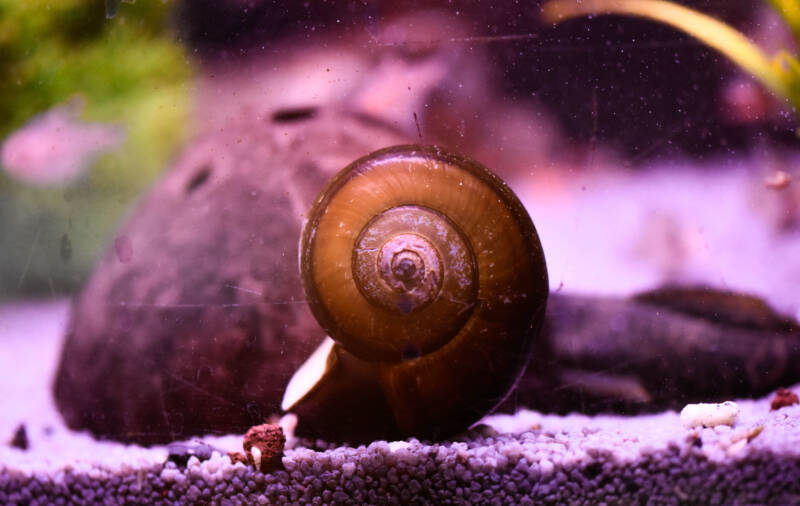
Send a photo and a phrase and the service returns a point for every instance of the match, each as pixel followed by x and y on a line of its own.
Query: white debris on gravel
pixel 710 414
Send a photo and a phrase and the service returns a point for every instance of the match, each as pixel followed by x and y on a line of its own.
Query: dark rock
pixel 783 397
pixel 628 355
pixel 181 451
pixel 20 438
pixel 201 326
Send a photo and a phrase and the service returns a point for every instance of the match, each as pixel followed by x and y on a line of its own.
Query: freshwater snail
pixel 428 275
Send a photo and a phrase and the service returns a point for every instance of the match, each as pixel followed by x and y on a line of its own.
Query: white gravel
pixel 525 458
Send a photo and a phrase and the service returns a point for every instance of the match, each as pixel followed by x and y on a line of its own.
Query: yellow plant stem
pixel 710 31
pixel 790 12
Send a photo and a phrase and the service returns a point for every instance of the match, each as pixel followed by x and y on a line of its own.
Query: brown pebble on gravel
pixel 237 457
pixel 783 397
pixel 20 438
pixel 263 446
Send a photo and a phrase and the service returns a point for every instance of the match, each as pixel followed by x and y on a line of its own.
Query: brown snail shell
pixel 427 273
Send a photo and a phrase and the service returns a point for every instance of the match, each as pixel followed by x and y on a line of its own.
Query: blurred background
pixel 616 111
pixel 98 107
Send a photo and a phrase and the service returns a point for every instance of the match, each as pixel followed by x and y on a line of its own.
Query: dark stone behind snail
pixel 201 324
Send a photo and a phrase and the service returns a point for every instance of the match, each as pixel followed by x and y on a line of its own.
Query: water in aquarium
pixel 374 252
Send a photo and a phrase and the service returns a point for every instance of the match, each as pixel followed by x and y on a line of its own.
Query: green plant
pixel 780 72
pixel 129 71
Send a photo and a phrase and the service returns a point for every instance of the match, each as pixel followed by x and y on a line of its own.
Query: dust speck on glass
pixel 419 252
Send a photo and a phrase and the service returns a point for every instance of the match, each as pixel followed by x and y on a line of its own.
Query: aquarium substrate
pixel 524 458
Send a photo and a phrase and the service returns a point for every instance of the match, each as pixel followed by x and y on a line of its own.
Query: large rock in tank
pixel 194 320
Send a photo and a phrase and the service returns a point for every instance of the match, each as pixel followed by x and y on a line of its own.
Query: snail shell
pixel 428 275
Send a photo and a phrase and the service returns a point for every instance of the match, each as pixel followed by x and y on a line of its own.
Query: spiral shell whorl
pixel 426 264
